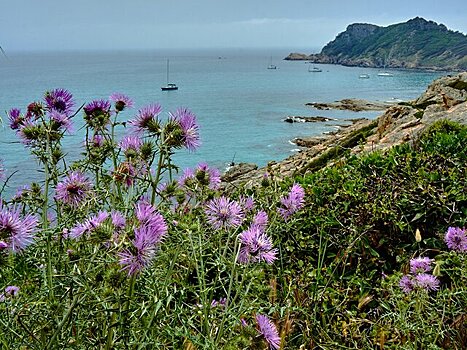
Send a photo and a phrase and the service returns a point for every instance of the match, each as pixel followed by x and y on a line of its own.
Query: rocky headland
pixel 445 98
pixel 415 44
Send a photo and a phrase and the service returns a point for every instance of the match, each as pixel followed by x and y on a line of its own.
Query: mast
pixel 167 71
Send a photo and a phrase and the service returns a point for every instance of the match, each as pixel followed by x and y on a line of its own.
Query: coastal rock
pixel 351 104
pixel 236 171
pixel 447 91
pixel 301 119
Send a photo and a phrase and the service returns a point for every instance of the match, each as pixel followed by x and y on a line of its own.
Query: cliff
pixel 417 43
pixel 445 98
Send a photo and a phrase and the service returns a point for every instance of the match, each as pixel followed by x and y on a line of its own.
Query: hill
pixel 417 43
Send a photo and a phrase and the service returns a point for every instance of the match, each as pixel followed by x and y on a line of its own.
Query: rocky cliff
pixel 417 43
pixel 445 98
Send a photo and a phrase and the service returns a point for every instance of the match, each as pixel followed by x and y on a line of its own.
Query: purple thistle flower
pixel 18 233
pixel 188 174
pixel 268 330
pixel 74 189
pixel 121 101
pixel 12 290
pixel 15 118
pixel 62 121
pixel 97 107
pixel 260 220
pixel 190 130
pixel 88 226
pixel 59 100
pixel 407 284
pixel 208 176
pixel 292 202
pixel 147 118
pixel 426 282
pixel 131 146
pixel 456 239
pixel 118 220
pixel 29 132
pixel 248 203
pixel 256 246
pixel 97 141
pixel 420 265
pixel 224 213
pixel 143 249
pixel 148 215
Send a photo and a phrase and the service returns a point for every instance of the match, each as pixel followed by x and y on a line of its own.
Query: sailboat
pixel 314 69
pixel 169 86
pixel 271 66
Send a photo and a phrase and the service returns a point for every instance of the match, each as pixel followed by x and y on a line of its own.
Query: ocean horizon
pixel 239 103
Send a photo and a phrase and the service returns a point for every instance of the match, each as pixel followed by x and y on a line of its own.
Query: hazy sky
pixel 127 24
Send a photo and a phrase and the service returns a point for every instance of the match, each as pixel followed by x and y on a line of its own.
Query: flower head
pixel 121 101
pixel 420 265
pixel 15 231
pixel 426 282
pixel 456 239
pixel 260 220
pixel 189 127
pixel 256 246
pixel 74 190
pixel 15 118
pixel 59 100
pixel 292 202
pixel 88 226
pixel 61 121
pixel 131 146
pixel 224 213
pixel 147 119
pixel 10 291
pixel 406 283
pixel 268 330
pixel 97 113
pixel 206 176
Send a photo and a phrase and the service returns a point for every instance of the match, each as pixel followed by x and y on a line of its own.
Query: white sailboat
pixel 169 86
pixel 271 66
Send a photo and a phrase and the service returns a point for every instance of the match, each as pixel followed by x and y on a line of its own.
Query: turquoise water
pixel 240 104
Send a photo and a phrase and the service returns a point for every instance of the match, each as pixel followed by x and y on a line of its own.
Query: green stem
pixel 62 322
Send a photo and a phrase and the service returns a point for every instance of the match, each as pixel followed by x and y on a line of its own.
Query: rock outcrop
pixel 351 104
pixel 445 98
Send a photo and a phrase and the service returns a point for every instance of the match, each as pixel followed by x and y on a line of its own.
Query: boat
pixel 364 76
pixel 271 66
pixel 385 74
pixel 314 70
pixel 169 86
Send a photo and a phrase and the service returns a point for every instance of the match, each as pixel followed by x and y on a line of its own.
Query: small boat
pixel 271 66
pixel 314 70
pixel 385 74
pixel 169 86
pixel 364 76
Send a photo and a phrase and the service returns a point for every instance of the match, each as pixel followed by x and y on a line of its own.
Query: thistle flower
pixel 118 220
pixel 190 130
pixel 147 119
pixel 15 118
pixel 248 203
pixel 74 189
pixel 256 246
pixel 131 146
pixel 188 174
pixel 224 213
pixel 88 226
pixel 62 121
pixel 59 100
pixel 206 176
pixel 10 291
pixel 148 215
pixel 121 101
pixel 35 110
pixel 420 265
pixel 268 330
pixel 16 232
pixel 292 202
pixel 97 113
pixel 456 239
pixel 144 246
pixel 426 282
pixel 29 132
pixel 407 284
pixel 260 220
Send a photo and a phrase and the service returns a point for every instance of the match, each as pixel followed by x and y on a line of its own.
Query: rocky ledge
pixel 302 119
pixel 351 104
pixel 445 98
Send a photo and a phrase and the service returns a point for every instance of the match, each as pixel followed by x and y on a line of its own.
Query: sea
pixel 240 104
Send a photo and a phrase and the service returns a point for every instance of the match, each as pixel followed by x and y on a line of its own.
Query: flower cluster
pixel 292 202
pixel 256 246
pixel 456 239
pixel 16 232
pixel 202 176
pixel 419 279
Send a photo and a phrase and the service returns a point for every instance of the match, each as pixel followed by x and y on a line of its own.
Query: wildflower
pixel 148 215
pixel 420 265
pixel 248 203
pixel 88 226
pixel 207 176
pixel 74 190
pixel 97 113
pixel 260 220
pixel 15 118
pixel 220 303
pixel 144 246
pixel 121 101
pixel 188 174
pixel 147 119
pixel 35 110
pixel 15 232
pixel 268 330
pixel 292 202
pixel 224 213
pixel 10 291
pixel 406 283
pixel 190 130
pixel 118 220
pixel 59 100
pixel 29 132
pixel 456 239
pixel 130 146
pixel 61 121
pixel 256 246
pixel 427 282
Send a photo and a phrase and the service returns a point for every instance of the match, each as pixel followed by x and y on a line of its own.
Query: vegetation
pixel 113 252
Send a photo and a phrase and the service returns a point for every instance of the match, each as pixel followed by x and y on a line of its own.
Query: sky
pixel 54 25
